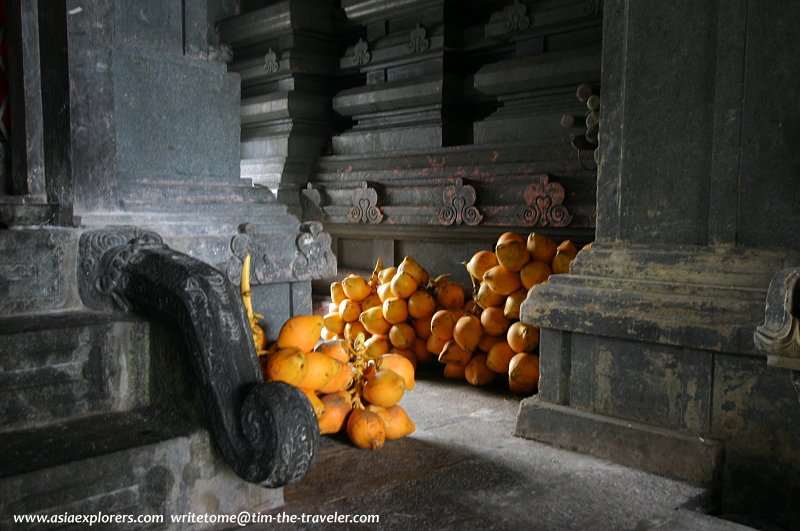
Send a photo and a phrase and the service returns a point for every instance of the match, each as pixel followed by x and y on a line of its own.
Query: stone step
pixel 143 462
pixel 71 364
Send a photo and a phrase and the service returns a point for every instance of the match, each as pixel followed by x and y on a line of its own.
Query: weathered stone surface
pixel 36 271
pixel 71 364
pixel 267 433
pixel 710 299
pixel 627 442
pixel 779 335
pixel 161 466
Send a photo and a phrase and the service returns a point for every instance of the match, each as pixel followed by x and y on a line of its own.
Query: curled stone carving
pixel 315 259
pixel 267 432
pixel 544 208
pixel 311 204
pixel 365 209
pixel 459 205
pixel 103 257
pixel 271 62
pixel 361 55
pixel 779 335
pixel 307 257
pixel 418 39
pixel 516 17
pixel 592 7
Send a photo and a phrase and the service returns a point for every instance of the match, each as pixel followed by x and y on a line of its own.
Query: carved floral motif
pixel 271 62
pixel 544 208
pixel 314 258
pixel 361 55
pixel 516 17
pixel 459 205
pixel 307 256
pixel 418 39
pixel 365 209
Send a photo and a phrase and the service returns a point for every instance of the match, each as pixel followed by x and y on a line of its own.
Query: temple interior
pixel 193 191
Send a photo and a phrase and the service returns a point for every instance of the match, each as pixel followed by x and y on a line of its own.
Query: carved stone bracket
pixel 306 256
pixel 516 18
pixel 361 55
pixel 271 62
pixel 459 205
pixel 418 41
pixel 365 206
pixel 268 433
pixel 779 336
pixel 544 208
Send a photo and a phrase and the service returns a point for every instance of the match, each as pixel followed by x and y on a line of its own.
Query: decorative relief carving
pixel 779 336
pixel 516 17
pixel 103 256
pixel 459 205
pixel 544 208
pixel 311 204
pixel 306 257
pixel 361 55
pixel 267 433
pixel 271 62
pixel 592 7
pixel 418 39
pixel 365 209
pixel 315 259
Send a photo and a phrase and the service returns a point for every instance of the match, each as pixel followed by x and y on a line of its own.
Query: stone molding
pixel 696 297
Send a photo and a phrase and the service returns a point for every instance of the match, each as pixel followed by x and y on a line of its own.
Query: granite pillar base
pixel 647 359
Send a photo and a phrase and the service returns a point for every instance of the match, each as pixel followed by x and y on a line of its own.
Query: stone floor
pixel 464 469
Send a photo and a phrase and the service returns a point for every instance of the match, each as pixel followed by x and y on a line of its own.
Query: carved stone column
pixel 411 95
pixel 285 55
pixel 647 351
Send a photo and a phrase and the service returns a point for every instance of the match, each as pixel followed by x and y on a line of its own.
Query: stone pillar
pixel 647 352
pixel 154 125
pixel 411 95
pixel 285 55
pixel 24 193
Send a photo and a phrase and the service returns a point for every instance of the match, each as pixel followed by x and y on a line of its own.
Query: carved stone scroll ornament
pixel 361 55
pixel 593 7
pixel 308 256
pixel 516 17
pixel 267 432
pixel 365 205
pixel 779 336
pixel 314 258
pixel 459 205
pixel 543 204
pixel 419 42
pixel 271 62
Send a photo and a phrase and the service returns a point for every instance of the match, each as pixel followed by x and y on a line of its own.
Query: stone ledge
pixel 649 448
pixel 692 297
